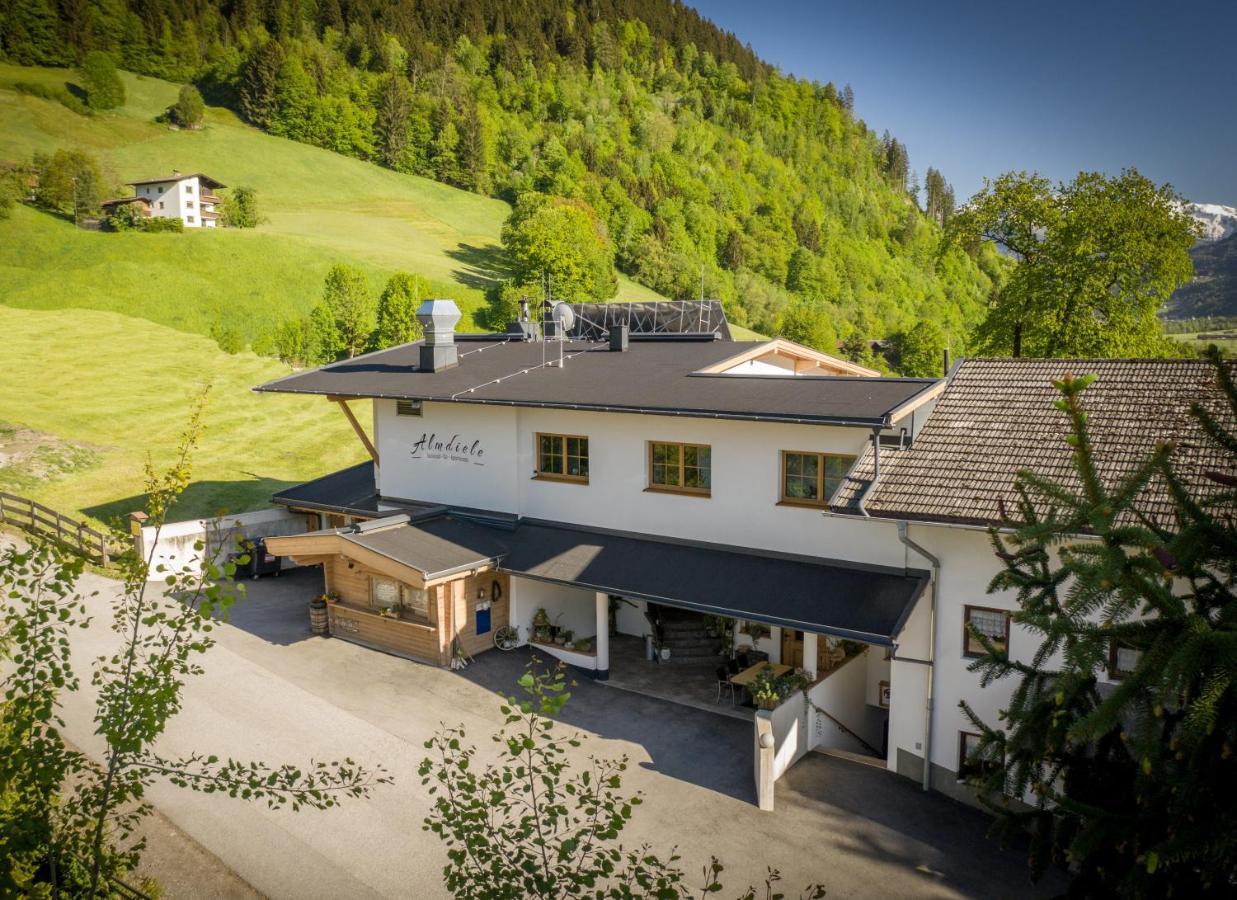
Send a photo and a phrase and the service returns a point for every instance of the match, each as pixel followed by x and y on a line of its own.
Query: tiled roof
pixel 997 417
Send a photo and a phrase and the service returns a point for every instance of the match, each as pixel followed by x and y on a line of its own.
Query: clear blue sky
pixel 976 89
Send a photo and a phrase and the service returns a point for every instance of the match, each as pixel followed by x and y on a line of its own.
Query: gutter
pixel 930 690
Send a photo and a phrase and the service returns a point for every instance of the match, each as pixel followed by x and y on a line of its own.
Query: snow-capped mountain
pixel 1218 221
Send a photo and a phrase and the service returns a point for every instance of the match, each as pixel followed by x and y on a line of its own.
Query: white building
pixel 628 488
pixel 190 198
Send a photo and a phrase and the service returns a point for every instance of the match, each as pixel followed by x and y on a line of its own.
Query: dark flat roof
pixel 657 377
pixel 866 603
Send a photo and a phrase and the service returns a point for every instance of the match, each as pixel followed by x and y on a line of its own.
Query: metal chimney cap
pixel 438 318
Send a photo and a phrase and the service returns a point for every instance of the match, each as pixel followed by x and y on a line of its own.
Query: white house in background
pixel 632 487
pixel 190 198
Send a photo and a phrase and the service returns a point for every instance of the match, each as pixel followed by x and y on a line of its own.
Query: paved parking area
pixel 273 691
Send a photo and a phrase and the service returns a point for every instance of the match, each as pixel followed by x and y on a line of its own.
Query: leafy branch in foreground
pixel 66 824
pixel 535 825
pixel 1129 781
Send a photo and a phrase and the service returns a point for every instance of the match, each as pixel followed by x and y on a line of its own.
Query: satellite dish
pixel 564 317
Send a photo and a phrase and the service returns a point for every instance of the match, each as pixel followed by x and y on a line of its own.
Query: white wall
pixel 742 511
pixel 629 618
pixel 567 607
pixel 174 548
pixel 175 200
pixel 842 695
pixel 470 462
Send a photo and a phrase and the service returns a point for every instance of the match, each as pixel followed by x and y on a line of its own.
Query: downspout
pixel 904 538
pixel 860 504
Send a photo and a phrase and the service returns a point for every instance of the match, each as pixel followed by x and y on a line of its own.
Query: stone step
pixel 711 643
pixel 692 652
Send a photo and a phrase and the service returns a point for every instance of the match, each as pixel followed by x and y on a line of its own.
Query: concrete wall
pixel 567 607
pixel 842 694
pixel 175 545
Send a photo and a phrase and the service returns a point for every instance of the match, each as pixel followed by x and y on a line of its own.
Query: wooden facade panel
pixel 465 622
pixel 404 638
pixel 453 612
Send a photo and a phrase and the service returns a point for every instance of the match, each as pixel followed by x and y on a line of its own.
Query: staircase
pixel 688 640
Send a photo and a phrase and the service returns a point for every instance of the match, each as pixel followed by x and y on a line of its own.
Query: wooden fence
pixel 41 520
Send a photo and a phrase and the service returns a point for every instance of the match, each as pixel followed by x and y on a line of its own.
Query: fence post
pixel 103 548
pixel 3 517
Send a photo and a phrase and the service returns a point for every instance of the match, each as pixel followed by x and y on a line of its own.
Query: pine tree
pixel 1131 785
pixel 394 108
pixel 259 82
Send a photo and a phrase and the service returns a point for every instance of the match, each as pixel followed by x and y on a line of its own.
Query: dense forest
pixel 710 171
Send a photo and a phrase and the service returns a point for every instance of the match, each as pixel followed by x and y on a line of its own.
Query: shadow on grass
pixel 201 499
pixel 483 266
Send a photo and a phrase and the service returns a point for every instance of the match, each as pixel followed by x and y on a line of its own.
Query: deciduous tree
pixel 397 309
pixel 67 826
pixel 565 240
pixel 189 108
pixel 535 824
pixel 342 324
pixel 1096 260
pixel 104 89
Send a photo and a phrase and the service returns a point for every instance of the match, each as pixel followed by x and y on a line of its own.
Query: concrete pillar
pixel 775 641
pixel 603 636
pixel 809 652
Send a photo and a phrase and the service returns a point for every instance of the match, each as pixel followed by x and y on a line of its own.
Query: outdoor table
pixel 748 675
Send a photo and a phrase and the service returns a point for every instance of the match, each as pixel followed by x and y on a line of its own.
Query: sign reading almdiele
pixel 456 449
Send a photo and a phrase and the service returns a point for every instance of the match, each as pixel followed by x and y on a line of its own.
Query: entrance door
pixel 792 649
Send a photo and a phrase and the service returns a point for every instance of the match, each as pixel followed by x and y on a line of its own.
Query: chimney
pixel 947 362
pixel 438 318
pixel 618 338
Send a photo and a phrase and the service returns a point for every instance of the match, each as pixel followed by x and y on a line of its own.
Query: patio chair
pixel 723 683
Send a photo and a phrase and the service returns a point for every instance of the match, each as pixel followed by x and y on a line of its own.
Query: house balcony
pixel 210 198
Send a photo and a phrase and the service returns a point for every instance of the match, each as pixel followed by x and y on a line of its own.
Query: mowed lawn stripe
pixel 126 386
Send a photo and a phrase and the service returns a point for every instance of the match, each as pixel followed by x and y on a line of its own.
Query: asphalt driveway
pixel 273 691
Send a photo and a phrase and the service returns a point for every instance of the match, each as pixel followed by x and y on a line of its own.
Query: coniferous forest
pixel 710 170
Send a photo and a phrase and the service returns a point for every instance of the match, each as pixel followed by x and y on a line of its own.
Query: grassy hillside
pixel 119 390
pixel 323 208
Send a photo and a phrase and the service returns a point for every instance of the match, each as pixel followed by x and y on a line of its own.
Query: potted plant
pixel 541 626
pixel 766 697
pixel 565 636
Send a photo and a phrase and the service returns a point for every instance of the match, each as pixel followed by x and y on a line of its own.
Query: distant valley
pixel 1213 292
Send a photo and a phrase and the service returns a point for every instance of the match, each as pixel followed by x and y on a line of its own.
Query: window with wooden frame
pixel 681 468
pixel 991 623
pixel 562 457
pixel 1122 660
pixel 812 478
pixel 968 762
pixel 387 594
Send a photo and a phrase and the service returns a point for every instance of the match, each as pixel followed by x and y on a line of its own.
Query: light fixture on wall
pixel 480 593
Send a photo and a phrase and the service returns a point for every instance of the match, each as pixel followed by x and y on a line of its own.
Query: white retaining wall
pixel 175 547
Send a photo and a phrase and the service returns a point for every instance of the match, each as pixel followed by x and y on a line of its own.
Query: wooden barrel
pixel 317 616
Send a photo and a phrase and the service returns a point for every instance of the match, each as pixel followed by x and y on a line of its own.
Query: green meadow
pixel 322 209
pixel 120 390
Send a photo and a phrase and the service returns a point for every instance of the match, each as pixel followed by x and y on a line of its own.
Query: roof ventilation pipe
pixel 618 338
pixel 438 319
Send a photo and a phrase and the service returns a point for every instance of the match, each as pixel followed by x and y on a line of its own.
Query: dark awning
pixel 866 603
